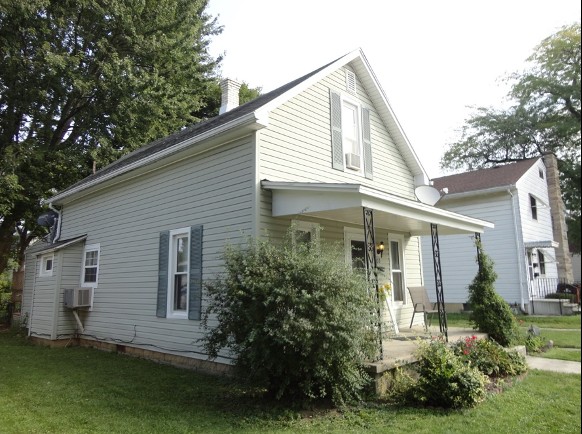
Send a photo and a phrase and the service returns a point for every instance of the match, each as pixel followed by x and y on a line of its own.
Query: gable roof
pixel 484 179
pixel 255 112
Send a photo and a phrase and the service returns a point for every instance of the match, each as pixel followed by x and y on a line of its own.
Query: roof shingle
pixel 499 176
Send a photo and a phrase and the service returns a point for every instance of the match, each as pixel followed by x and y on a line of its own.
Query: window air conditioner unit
pixel 353 161
pixel 77 297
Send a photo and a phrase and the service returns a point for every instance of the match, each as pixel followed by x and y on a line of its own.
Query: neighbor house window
pixel 46 265
pixel 542 262
pixel 90 272
pixel 534 207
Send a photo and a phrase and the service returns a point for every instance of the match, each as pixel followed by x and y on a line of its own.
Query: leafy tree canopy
pixel 84 82
pixel 544 117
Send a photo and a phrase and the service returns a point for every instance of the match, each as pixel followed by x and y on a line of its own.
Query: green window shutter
pixel 195 295
pixel 163 252
pixel 337 152
pixel 367 143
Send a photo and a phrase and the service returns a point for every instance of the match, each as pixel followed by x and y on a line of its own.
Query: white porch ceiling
pixel 344 202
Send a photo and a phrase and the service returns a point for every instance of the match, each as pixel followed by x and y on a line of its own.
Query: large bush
pixel 490 313
pixel 296 320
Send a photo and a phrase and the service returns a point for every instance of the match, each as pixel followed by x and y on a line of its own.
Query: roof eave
pixel 251 122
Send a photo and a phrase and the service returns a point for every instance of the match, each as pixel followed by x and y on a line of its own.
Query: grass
pixel 564 331
pixel 543 322
pixel 81 390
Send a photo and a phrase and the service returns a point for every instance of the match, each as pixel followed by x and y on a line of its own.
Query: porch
pixel 400 350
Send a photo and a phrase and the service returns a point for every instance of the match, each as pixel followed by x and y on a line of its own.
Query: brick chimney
pixel 558 212
pixel 230 99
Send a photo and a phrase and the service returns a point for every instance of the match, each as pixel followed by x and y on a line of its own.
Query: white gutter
pixel 248 119
pixel 492 190
pixel 518 250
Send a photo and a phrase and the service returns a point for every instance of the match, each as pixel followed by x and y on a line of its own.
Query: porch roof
pixel 344 202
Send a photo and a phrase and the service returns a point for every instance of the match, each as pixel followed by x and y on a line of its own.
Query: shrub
pixel 444 380
pixel 490 357
pixel 296 320
pixel 490 313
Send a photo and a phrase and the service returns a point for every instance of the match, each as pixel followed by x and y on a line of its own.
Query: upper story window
pixel 46 265
pixel 534 207
pixel 90 271
pixel 541 172
pixel 350 135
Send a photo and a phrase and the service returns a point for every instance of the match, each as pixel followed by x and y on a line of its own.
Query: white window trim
pixel 349 99
pixel 300 225
pixel 170 312
pixel 351 234
pixel 400 240
pixel 90 248
pixel 43 272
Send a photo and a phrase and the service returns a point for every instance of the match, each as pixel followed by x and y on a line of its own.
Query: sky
pixel 434 59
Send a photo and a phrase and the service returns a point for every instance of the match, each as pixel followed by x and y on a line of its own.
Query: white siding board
pixel 215 189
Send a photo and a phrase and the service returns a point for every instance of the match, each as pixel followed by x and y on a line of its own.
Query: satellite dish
pixel 47 219
pixel 427 194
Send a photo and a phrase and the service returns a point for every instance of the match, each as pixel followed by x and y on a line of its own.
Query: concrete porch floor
pixel 400 350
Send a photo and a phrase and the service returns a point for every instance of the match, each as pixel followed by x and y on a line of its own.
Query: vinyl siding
pixel 458 252
pixel 41 311
pixel 296 147
pixel 215 189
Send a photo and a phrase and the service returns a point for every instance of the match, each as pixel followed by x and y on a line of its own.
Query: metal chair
pixel 421 303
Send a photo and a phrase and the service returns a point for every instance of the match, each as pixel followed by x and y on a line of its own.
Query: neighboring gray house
pixel 142 234
pixel 530 254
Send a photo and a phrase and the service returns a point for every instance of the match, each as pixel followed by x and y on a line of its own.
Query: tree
pixel 85 81
pixel 545 117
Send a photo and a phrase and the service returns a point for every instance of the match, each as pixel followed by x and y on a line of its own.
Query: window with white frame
pixel 350 135
pixel 46 265
pixel 306 233
pixel 179 271
pixel 542 262
pixel 534 207
pixel 90 272
pixel 397 270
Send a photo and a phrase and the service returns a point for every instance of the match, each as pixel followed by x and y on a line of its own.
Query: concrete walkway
pixel 554 365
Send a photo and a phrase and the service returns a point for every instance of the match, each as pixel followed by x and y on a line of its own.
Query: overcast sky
pixel 434 59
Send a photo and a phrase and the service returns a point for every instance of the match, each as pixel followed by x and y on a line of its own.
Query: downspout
pixel 58 232
pixel 518 250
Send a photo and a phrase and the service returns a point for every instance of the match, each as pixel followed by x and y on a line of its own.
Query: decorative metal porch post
pixel 438 279
pixel 372 267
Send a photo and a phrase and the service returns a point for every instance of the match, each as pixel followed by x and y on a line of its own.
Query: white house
pixel 143 233
pixel 523 245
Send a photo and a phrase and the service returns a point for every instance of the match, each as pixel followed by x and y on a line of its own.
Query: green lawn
pixel 564 331
pixel 544 322
pixel 82 390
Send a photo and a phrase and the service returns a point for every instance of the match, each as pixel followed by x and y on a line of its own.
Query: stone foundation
pixel 200 365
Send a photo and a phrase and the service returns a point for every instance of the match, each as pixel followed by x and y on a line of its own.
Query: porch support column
pixel 438 278
pixel 372 268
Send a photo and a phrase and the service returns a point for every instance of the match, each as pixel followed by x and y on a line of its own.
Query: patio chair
pixel 421 303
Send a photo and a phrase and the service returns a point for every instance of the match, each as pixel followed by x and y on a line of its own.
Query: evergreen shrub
pixel 490 313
